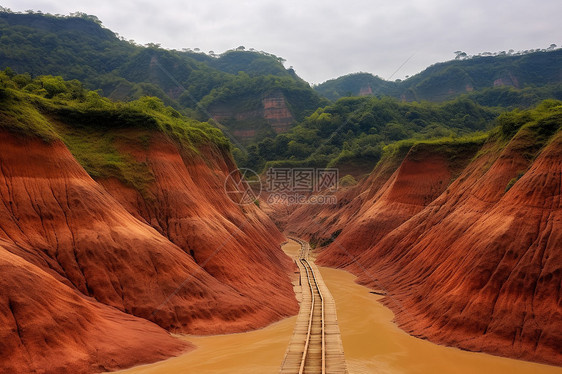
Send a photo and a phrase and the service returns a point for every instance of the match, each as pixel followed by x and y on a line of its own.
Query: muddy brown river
pixel 371 341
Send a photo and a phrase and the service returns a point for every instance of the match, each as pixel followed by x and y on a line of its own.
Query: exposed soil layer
pixel 467 248
pixel 236 244
pixel 102 270
pixel 48 327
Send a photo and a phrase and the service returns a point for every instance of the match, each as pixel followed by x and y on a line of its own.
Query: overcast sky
pixel 324 39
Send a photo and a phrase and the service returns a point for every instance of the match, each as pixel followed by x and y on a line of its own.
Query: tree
pixel 88 17
pixel 253 159
pixel 460 55
pixel 265 149
pixel 53 85
pixel 9 72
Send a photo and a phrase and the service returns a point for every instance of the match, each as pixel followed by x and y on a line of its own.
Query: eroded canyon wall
pixel 95 272
pixel 466 245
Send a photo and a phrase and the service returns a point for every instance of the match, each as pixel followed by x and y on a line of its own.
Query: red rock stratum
pixel 96 273
pixel 467 248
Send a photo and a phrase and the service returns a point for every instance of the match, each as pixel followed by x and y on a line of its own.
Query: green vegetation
pixel 512 181
pixel 18 111
pixel 347 181
pixel 245 93
pixel 513 98
pixel 150 89
pixel 323 242
pixel 527 131
pixel 354 131
pixel 354 84
pixel 250 62
pixel 94 128
pixel 79 47
pixel 444 145
pixel 539 125
pixel 353 134
pixel 509 79
pixel 542 121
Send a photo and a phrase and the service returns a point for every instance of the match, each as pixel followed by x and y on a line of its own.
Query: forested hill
pixel 504 79
pixel 249 92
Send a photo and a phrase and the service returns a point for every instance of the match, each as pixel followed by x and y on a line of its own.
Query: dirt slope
pixel 468 249
pixel 424 173
pixel 49 327
pixel 57 221
pixel 236 244
pixel 320 223
pixel 480 268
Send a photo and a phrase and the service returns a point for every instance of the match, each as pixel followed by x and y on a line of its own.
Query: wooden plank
pixel 315 346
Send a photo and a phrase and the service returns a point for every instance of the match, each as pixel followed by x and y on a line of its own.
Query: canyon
pixel 462 239
pixel 95 271
pixel 123 248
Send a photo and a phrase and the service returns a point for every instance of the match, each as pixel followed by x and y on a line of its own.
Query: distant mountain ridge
pixel 250 94
pixel 200 85
pixel 446 80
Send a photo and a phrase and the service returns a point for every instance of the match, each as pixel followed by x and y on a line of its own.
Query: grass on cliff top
pixel 526 132
pixel 19 115
pixel 537 125
pixel 98 154
pixel 446 145
pixel 458 151
pixel 69 101
pixel 532 129
pixel 92 127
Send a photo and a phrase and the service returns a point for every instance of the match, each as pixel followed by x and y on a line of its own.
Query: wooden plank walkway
pixel 315 346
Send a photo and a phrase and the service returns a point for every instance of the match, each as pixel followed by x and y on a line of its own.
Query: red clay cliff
pixel 468 249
